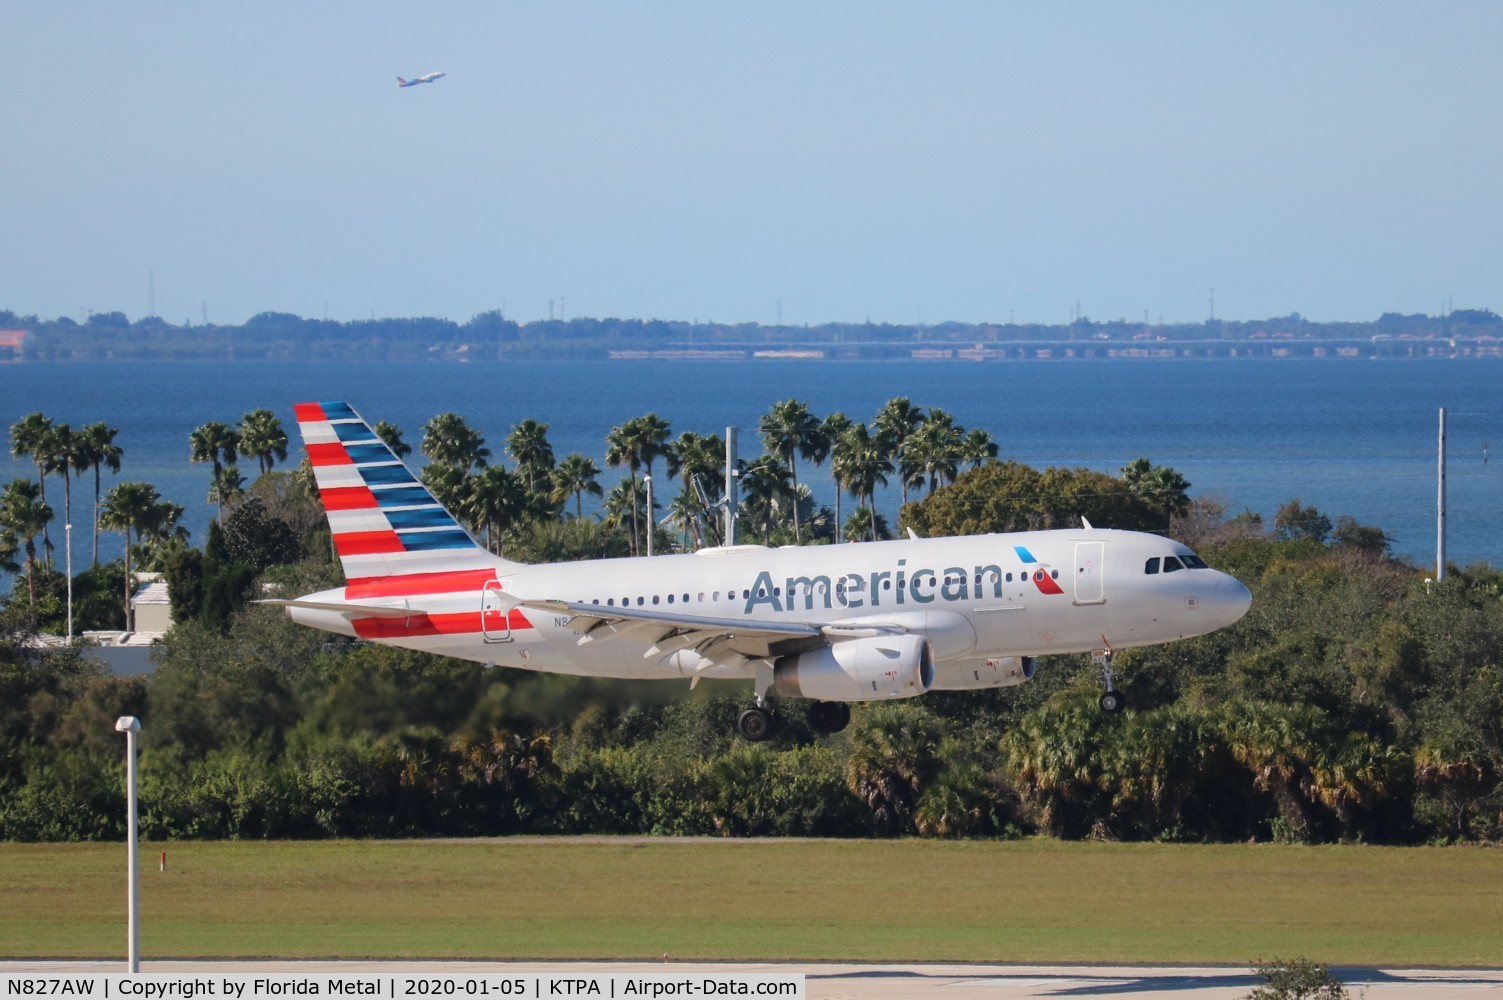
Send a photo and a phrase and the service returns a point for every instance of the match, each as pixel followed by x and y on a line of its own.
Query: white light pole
pixel 68 544
pixel 130 726
pixel 1440 503
pixel 652 524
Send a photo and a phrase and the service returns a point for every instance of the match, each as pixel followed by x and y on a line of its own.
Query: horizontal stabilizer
pixel 345 608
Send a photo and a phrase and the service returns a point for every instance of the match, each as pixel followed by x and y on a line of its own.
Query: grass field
pixel 1028 901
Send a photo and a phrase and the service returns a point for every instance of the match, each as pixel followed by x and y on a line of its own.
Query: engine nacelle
pixel 974 675
pixel 875 668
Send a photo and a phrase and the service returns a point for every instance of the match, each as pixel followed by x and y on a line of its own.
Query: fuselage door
pixel 495 620
pixel 1090 587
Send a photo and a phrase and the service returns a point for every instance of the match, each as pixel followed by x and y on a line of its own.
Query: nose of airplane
pixel 1231 599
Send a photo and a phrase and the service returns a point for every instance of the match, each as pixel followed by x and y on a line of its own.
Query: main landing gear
pixel 758 723
pixel 1112 701
pixel 825 717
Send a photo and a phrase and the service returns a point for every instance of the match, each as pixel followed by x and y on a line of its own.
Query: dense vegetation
pixel 1357 700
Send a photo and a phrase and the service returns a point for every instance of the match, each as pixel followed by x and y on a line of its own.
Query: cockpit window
pixel 1193 561
pixel 1151 566
pixel 1172 563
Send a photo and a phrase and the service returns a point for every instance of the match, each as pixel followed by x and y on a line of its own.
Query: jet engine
pixel 973 675
pixel 875 668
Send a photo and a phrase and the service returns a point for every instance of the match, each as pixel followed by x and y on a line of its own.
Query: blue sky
pixel 838 161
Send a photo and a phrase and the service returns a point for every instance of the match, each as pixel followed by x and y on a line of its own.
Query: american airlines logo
pixel 897 587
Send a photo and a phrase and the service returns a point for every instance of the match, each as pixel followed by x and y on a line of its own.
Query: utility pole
pixel 732 484
pixel 68 543
pixel 652 522
pixel 1440 504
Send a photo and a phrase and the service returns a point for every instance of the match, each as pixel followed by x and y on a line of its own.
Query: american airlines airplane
pixel 425 78
pixel 833 624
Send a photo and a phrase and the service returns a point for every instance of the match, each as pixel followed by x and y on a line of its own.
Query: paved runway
pixel 920 982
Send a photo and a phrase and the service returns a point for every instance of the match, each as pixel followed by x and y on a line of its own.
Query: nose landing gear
pixel 1112 701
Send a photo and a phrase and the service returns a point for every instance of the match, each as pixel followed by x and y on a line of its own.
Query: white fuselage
pixel 973 599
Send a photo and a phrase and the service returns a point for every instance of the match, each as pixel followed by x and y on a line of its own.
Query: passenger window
pixel 1171 564
pixel 1151 566
pixel 654 598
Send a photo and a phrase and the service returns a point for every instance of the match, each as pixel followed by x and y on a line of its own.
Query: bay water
pixel 1356 438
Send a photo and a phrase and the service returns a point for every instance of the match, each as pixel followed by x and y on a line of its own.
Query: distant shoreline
pixel 1012 355
pixel 1471 333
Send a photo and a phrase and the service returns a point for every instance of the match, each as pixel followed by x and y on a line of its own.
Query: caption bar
pixel 406 986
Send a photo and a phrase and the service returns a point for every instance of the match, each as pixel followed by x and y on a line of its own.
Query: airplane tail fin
pixel 401 82
pixel 384 521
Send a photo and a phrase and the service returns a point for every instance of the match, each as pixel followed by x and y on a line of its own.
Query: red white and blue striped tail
pixel 384 521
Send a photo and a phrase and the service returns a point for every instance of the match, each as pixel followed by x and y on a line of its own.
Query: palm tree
pixel 655 434
pixel 766 492
pixel 894 756
pixel 448 440
pixel 262 438
pixel 1278 745
pixel 529 448
pixel 685 510
pixel 897 419
pixel 831 430
pixel 978 447
pixel 1159 484
pixel 161 534
pixel 934 450
pixel 575 476
pixel 219 444
pixel 497 499
pixel 699 463
pixel 29 439
pixel 699 456
pixel 788 430
pixel 862 465
pixel 623 506
pixel 23 513
pixel 228 486
pixel 1055 752
pixel 127 508
pixel 97 451
pixel 634 444
pixel 9 546
pixel 63 449
pixel 449 484
pixel 392 436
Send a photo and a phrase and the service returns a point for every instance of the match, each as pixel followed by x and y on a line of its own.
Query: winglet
pixel 1087 523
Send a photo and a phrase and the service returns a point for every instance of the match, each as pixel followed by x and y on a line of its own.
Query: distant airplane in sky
pixel 832 624
pixel 425 78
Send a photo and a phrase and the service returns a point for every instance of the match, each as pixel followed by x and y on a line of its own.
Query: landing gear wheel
pixel 1112 702
pixel 828 717
pixel 755 725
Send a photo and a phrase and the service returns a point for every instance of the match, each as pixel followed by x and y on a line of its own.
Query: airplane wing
pixel 715 638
